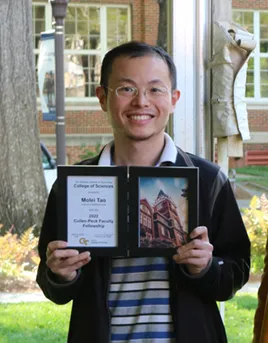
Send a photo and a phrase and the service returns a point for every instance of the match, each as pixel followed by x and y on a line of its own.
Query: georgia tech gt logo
pixel 84 241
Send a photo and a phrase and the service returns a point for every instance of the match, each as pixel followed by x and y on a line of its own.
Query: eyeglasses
pixel 152 92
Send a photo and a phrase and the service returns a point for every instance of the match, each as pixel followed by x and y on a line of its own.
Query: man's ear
pixel 101 95
pixel 174 98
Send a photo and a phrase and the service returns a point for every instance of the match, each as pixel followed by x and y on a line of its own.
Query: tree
pixel 22 185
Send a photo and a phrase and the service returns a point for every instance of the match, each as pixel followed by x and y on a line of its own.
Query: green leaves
pixel 18 254
pixel 256 221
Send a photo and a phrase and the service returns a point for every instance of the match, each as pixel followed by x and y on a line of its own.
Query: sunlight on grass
pixel 47 322
pixel 34 322
pixel 262 182
pixel 252 176
pixel 239 316
pixel 261 171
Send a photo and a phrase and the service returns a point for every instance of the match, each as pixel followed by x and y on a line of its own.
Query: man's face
pixel 145 115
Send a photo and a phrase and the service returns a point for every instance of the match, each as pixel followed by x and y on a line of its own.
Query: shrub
pixel 256 221
pixel 18 254
pixel 87 152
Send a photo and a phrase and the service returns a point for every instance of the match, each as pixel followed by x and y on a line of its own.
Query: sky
pixel 171 186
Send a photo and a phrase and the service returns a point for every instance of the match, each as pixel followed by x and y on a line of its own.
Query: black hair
pixel 135 49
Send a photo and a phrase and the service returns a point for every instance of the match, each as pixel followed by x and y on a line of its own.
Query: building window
pixel 144 221
pixel 256 22
pixel 90 31
pixel 145 209
pixel 159 206
pixel 165 232
pixel 39 23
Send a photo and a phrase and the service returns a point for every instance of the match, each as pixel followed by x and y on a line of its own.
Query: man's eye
pixel 127 89
pixel 157 90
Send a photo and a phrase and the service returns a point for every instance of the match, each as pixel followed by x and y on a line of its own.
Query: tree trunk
pixel 22 185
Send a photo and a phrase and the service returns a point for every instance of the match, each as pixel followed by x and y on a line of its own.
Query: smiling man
pixel 152 299
pixel 138 103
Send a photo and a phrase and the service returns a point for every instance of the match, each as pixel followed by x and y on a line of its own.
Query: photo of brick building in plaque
pixel 160 224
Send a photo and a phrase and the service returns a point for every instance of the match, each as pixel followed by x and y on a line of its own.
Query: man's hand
pixel 196 254
pixel 65 262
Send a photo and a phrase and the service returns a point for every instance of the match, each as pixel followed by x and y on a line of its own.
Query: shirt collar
pixel 105 157
pixel 169 153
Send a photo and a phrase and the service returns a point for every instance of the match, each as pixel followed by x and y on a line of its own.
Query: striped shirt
pixel 139 301
pixel 139 291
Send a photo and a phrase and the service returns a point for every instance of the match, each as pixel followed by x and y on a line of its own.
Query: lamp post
pixel 59 8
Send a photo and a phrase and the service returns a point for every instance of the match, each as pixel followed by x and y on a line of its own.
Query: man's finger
pixel 193 244
pixel 64 258
pixel 61 253
pixel 200 232
pixel 70 261
pixel 65 253
pixel 65 268
pixel 56 245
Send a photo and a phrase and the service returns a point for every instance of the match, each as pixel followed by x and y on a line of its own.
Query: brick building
pixel 161 222
pixel 253 15
pixel 93 27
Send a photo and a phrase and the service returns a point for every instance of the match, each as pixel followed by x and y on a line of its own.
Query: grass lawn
pixel 253 174
pixel 262 182
pixel 253 170
pixel 34 322
pixel 239 315
pixel 46 322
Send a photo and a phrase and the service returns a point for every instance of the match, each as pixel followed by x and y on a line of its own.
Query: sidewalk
pixel 22 297
pixel 250 287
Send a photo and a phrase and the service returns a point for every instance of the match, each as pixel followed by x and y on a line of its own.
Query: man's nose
pixel 141 98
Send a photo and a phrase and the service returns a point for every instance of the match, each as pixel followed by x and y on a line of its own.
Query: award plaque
pixel 93 208
pixel 127 211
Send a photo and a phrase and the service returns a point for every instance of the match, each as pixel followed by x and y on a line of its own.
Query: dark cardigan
pixel 193 299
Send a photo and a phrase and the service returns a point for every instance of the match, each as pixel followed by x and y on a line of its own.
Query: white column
pixel 191 50
pixel 183 56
